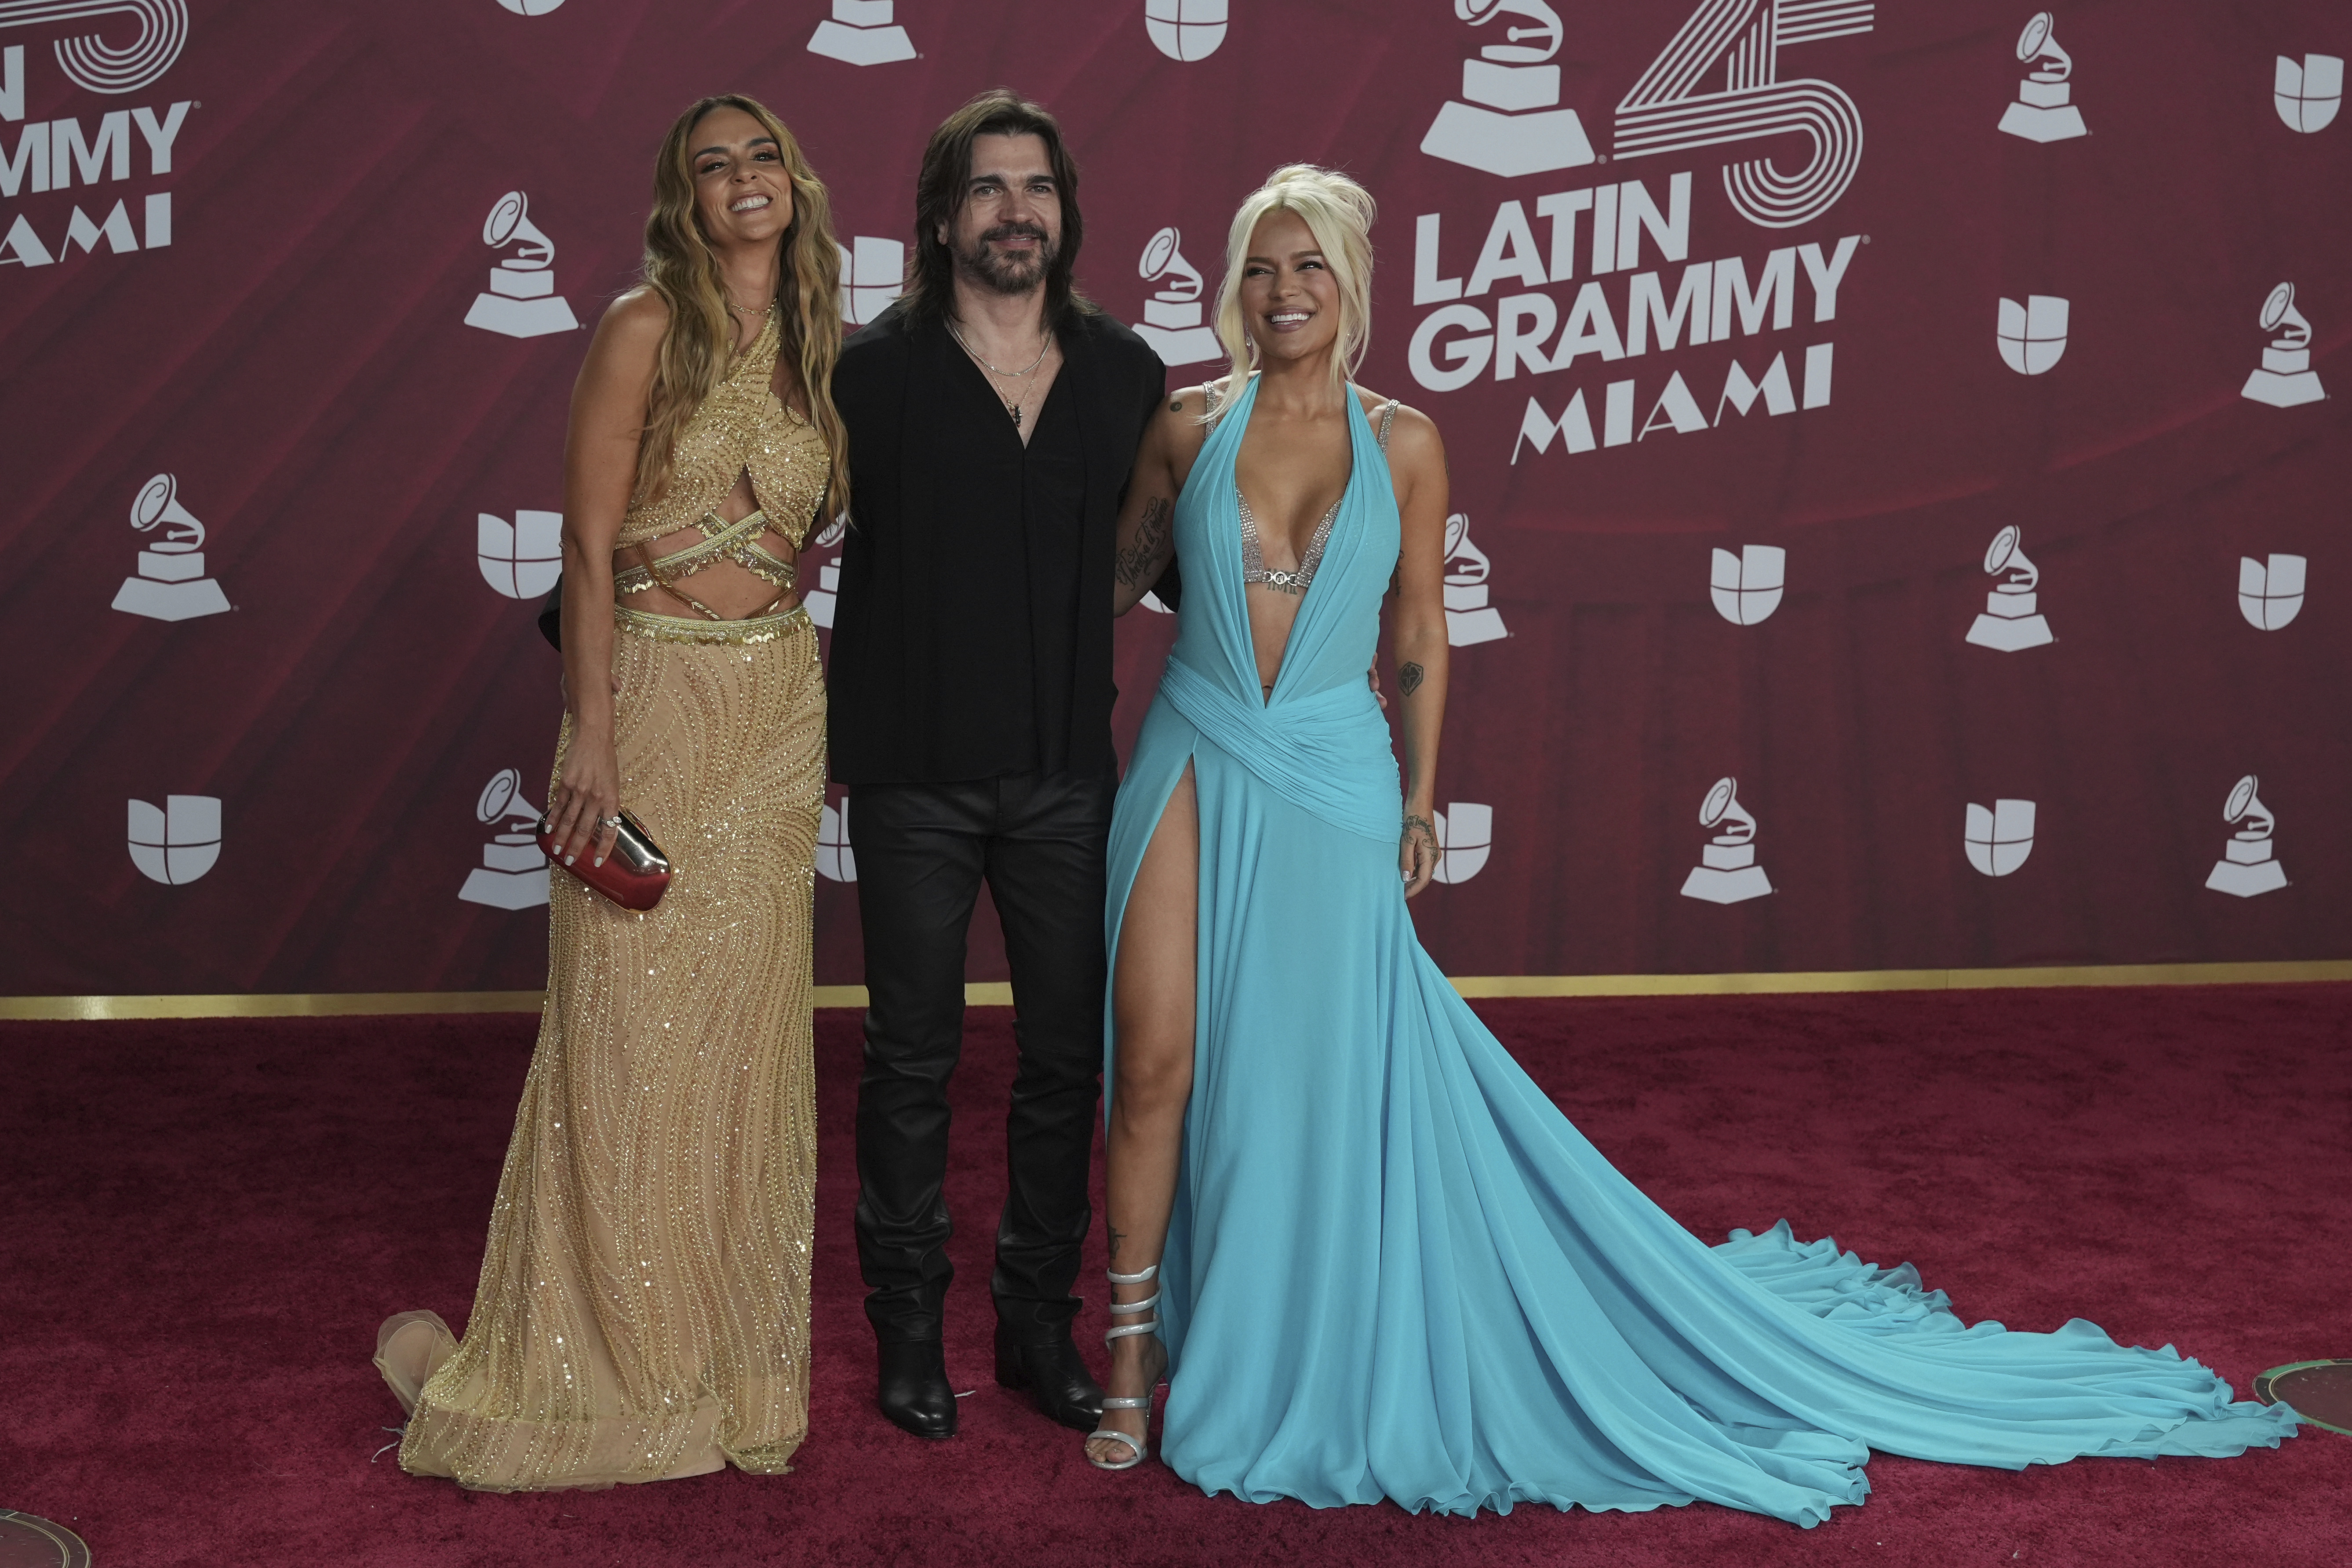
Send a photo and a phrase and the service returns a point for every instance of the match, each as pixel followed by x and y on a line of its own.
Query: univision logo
pixel 522 559
pixel 179 842
pixel 1185 29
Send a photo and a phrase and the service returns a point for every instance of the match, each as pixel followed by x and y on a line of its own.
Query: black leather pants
pixel 921 852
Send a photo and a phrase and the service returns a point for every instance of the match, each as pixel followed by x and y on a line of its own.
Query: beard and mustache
pixel 1017 273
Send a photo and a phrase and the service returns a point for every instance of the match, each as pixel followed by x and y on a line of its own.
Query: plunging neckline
pixel 1310 561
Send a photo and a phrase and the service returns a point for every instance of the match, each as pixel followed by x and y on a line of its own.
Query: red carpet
pixel 203 1222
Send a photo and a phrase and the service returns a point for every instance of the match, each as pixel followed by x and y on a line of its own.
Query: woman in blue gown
pixel 1371 1257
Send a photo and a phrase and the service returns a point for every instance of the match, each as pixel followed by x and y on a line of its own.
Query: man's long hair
pixel 700 344
pixel 939 198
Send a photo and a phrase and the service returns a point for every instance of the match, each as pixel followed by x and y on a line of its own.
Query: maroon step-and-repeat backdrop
pixel 1901 509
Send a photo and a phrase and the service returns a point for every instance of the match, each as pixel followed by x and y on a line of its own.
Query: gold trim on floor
pixel 998 993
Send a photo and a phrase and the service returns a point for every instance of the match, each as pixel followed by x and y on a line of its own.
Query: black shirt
pixel 1011 535
pixel 972 634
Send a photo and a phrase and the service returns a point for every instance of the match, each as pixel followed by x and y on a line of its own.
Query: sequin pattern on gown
pixel 643 1300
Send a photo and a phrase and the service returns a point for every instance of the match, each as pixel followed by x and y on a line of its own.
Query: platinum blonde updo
pixel 1338 212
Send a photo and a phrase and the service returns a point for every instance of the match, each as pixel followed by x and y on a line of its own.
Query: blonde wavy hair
pixel 1338 212
pixel 700 343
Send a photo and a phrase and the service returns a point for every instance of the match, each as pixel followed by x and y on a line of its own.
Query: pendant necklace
pixel 1014 407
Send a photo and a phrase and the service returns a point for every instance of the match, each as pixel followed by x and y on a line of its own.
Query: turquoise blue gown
pixel 1395 1269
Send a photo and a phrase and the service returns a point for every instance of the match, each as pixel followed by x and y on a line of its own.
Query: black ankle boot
pixel 1053 1373
pixel 913 1390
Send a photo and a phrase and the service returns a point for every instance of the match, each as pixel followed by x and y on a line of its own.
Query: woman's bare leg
pixel 1152 1020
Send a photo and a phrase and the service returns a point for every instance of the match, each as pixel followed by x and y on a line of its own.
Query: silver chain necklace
pixel 1014 407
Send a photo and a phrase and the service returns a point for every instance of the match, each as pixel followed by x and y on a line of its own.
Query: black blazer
pixel 894 612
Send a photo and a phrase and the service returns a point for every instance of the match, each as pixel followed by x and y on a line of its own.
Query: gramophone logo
pixel 1746 587
pixel 521 559
pixel 2285 378
pixel 2308 94
pixel 1509 121
pixel 530 8
pixel 1465 836
pixel 1670 108
pixel 1728 872
pixel 2032 335
pixel 819 601
pixel 1185 30
pixel 88 59
pixel 872 273
pixel 1172 320
pixel 170 585
pixel 863 33
pixel 2270 594
pixel 1999 840
pixel 2246 868
pixel 2011 621
pixel 2041 113
pixel 178 844
pixel 513 873
pixel 1469 618
pixel 521 301
pixel 834 860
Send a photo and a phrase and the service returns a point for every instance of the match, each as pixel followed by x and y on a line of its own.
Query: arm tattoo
pixel 1117 1236
pixel 1408 678
pixel 1140 563
pixel 1175 405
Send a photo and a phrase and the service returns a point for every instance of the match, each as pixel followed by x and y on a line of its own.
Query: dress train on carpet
pixel 1395 1269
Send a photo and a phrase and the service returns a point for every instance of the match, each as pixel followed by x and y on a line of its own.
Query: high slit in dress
pixel 1394 1269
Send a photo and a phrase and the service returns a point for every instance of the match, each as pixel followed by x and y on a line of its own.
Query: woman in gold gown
pixel 644 1301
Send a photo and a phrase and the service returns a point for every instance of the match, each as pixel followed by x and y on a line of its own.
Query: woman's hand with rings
pixel 1417 854
pixel 584 809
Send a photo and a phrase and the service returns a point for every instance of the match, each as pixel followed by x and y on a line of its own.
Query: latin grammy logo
pixel 2032 335
pixel 819 601
pixel 1184 30
pixel 835 861
pixel 178 844
pixel 522 559
pixel 170 585
pixel 1510 125
pixel 873 271
pixel 1469 618
pixel 2270 595
pixel 513 873
pixel 1728 872
pixel 1999 840
pixel 863 33
pixel 530 8
pixel 1677 105
pixel 1746 587
pixel 2245 869
pixel 1173 321
pixel 2308 94
pixel 2011 623
pixel 2285 378
pixel 1466 837
pixel 88 59
pixel 2041 113
pixel 521 301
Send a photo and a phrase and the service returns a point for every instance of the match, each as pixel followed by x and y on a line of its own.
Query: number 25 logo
pixel 1667 112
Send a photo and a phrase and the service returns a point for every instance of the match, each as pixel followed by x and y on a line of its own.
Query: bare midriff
pixel 734 590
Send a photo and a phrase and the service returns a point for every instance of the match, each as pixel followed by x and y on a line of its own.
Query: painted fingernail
pixel 569 858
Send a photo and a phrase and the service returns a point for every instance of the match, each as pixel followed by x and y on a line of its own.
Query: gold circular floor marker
pixel 2319 1391
pixel 29 1543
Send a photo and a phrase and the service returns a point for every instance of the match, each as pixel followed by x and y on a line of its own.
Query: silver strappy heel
pixel 1141 1445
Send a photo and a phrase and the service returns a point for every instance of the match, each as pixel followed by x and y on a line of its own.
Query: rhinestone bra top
pixel 742 426
pixel 1254 568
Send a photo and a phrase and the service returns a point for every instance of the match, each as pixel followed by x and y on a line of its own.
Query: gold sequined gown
pixel 644 1302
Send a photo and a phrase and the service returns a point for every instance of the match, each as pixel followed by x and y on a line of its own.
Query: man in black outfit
pixel 994 414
